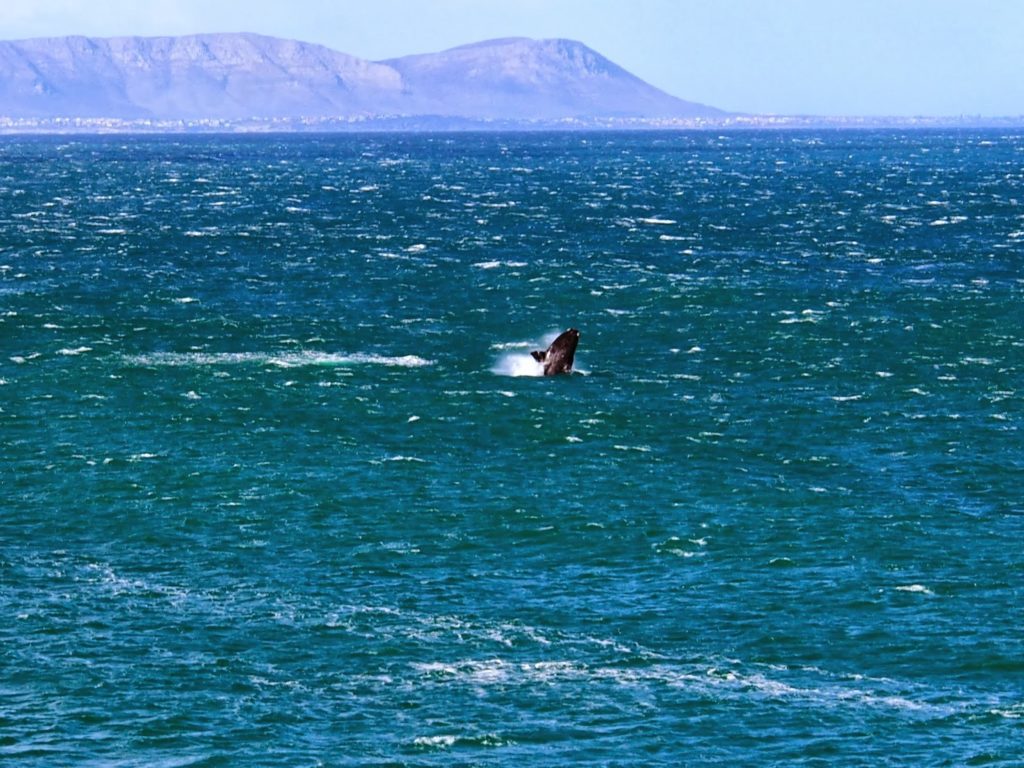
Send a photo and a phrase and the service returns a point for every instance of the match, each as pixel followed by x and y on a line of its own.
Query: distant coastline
pixel 437 124
pixel 254 82
pixel 247 83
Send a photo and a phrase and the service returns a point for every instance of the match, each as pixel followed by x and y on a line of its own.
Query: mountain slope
pixel 534 79
pixel 197 76
pixel 238 76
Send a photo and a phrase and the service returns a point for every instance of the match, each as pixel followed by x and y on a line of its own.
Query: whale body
pixel 558 357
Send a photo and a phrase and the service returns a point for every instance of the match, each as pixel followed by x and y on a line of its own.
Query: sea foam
pixel 282 360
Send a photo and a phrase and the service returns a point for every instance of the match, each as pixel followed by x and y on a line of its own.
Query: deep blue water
pixel 271 491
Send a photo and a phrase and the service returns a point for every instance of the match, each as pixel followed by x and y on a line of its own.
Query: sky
pixel 791 57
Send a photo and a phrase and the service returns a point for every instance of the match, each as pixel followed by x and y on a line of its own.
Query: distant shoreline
pixel 436 124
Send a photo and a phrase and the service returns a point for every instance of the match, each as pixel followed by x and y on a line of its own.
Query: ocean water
pixel 280 484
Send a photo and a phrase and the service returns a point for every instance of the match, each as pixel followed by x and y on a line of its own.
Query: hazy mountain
pixel 237 76
pixel 198 76
pixel 537 79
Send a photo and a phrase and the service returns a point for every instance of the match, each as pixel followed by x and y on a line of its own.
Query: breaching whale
pixel 558 357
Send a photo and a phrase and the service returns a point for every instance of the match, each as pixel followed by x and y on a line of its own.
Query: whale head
pixel 558 358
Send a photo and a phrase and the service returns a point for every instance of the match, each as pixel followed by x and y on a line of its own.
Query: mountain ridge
pixel 238 76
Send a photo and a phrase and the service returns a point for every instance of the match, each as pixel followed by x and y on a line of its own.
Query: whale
pixel 557 358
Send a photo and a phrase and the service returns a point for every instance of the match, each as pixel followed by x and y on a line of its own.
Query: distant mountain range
pixel 239 77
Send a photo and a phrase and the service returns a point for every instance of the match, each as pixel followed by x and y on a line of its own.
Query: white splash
pixel 522 363
pixel 517 364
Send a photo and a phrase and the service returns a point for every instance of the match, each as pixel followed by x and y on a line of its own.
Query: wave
pixel 449 740
pixel 279 359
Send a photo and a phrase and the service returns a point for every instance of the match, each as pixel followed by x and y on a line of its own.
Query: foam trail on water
pixel 283 360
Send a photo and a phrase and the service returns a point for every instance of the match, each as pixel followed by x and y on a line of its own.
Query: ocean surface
pixel 280 484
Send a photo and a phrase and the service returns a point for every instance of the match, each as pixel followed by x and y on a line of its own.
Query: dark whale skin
pixel 558 358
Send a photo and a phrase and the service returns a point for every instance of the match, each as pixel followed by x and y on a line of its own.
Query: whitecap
pixel 916 588
pixel 442 741
pixel 511 345
pixel 1015 712
pixel 683 553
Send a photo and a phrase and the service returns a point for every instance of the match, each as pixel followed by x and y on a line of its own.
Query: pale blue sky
pixel 825 57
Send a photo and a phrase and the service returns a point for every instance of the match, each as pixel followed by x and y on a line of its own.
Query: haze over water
pixel 280 487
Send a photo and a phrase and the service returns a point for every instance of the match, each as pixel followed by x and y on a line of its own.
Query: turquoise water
pixel 280 486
